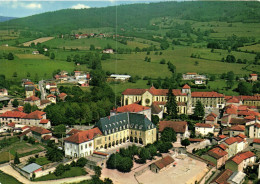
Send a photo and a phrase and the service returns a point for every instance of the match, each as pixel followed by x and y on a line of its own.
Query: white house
pixel 108 51
pixel 3 92
pixel 36 118
pixel 81 144
pixel 204 129
pixel 120 77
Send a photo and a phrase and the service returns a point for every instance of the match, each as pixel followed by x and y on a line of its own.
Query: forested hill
pixel 2 18
pixel 138 15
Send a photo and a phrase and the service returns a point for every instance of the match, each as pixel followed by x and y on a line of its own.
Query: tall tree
pixel 168 135
pixel 171 105
pixel 199 110
pixel 16 159
pixel 185 142
pixel 15 103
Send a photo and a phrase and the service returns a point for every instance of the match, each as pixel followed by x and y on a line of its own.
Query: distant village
pixel 219 148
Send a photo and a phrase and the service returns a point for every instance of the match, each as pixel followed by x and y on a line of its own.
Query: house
pixel 240 161
pixel 236 129
pixel 222 177
pixel 237 178
pixel 232 146
pixel 208 99
pixel 219 139
pixel 61 78
pixel 253 128
pixel 116 77
pixel 253 77
pixel 146 97
pixel 44 104
pixel 204 129
pixel 217 155
pixel 33 100
pixel 47 138
pixel 11 116
pixel 51 98
pixel 199 81
pixel 108 51
pixel 29 91
pixel 35 52
pixel 36 118
pixel 81 144
pixel 72 132
pixel 3 92
pixel 162 164
pixel 157 109
pixel 38 133
pixel 30 169
pixel 180 127
pixel 124 127
pixel 50 85
pixel 80 75
pixel 134 108
pixel 233 100
pixel 62 96
pixel 212 118
pixel 256 143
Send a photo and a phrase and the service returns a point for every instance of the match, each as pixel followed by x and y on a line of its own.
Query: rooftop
pixel 177 126
pixel 164 162
pixel 238 158
pixel 132 108
pixel 31 168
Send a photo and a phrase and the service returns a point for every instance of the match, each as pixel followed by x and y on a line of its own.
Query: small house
pixel 161 164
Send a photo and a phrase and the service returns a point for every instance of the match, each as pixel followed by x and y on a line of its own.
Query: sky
pixel 23 8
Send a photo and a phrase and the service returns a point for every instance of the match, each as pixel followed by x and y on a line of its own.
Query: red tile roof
pixel 242 136
pixel 44 121
pixel 239 139
pixel 233 100
pixel 222 146
pixel 238 128
pixel 153 91
pixel 195 140
pixel 40 130
pixel 11 124
pixel 25 127
pixel 238 158
pixel 249 117
pixel 210 118
pixel 253 74
pixel 164 162
pixel 13 114
pixel 43 102
pixel 257 125
pixel 222 136
pixel 257 141
pixel 47 137
pixel 100 153
pixel 35 115
pixel 19 109
pixel 204 125
pixel 28 83
pixel 223 177
pixel 177 126
pixel 51 95
pixel 84 136
pixel 132 108
pixel 73 131
pixel 230 140
pixel 62 95
pixel 212 94
pixel 32 98
pixel 186 86
pixel 217 153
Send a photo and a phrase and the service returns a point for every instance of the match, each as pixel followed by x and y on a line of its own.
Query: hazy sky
pixel 22 8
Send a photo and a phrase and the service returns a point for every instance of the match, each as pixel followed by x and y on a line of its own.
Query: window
pixel 90 144
pixel 86 146
pixel 81 147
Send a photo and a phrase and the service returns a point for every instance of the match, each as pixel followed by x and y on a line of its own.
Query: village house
pixel 253 77
pixel 217 155
pixel 38 133
pixel 44 104
pixel 146 97
pixel 235 144
pixel 134 108
pixel 192 76
pixel 230 177
pixel 180 127
pixel 72 132
pixel 51 98
pixel 208 99
pixel 81 76
pixel 240 161
pixel 62 96
pixel 29 91
pixel 36 118
pixel 219 139
pixel 256 143
pixel 199 81
pixel 212 119
pixel 81 144
pixel 253 129
pixel 157 109
pixel 236 129
pixel 204 129
pixel 33 100
pixel 11 116
pixel 50 85
pixel 61 78
pixel 116 77
pixel 162 164
pixel 3 92
pixel 35 52
pixel 108 51
pixel 30 169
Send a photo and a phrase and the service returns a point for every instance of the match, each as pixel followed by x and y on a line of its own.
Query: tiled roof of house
pixel 47 137
pixel 84 136
pixel 19 109
pixel 32 98
pixel 132 108
pixel 186 86
pixel 217 153
pixel 222 136
pixel 73 131
pixel 35 115
pixel 233 100
pixel 51 95
pixel 156 108
pixel 26 127
pixel 28 83
pixel 238 158
pixel 239 139
pixel 13 114
pixel 40 130
pixel 62 95
pixel 12 124
pixel 230 140
pixel 212 94
pixel 238 128
pixel 164 162
pixel 25 132
pixel 222 146
pixel 223 177
pixel 44 121
pixel 257 125
pixel 153 91
pixel 204 125
pixel 210 118
pixel 249 118
pixel 241 136
pixel 255 97
pixel 195 140
pixel 237 121
pixel 177 126
pixel 257 141
pixel 253 74
pixel 45 102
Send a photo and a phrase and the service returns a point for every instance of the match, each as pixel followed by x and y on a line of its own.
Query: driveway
pixel 9 170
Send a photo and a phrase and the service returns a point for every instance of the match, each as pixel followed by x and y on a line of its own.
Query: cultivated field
pixel 31 56
pixel 39 40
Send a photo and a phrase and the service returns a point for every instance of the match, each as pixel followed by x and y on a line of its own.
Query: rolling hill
pixel 3 19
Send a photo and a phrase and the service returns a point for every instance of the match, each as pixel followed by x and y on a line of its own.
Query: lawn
pixel 5 156
pixel 7 179
pixel 42 161
pixel 73 172
pixel 31 56
pixel 42 67
pixel 255 48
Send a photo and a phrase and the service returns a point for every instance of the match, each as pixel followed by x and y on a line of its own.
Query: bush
pixel 81 162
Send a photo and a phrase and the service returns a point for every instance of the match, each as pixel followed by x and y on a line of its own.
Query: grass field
pixel 31 56
pixel 39 40
pixel 43 68
pixel 42 161
pixel 73 172
pixel 4 157
pixel 255 48
pixel 7 179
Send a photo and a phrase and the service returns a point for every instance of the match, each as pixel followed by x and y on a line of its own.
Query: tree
pixel 171 105
pixel 15 103
pixel 199 110
pixel 54 154
pixel 31 160
pixel 144 154
pixel 59 130
pixel 28 74
pixel 68 59
pixel 168 135
pixel 185 142
pixel 60 169
pixel 230 79
pixel 16 159
pixel 92 47
pixel 155 119
pixel 125 165
pixel 81 162
pixel 244 88
pixel 52 56
pixel 15 74
pixel 27 108
pixel 164 45
pixel 97 170
pixel 10 56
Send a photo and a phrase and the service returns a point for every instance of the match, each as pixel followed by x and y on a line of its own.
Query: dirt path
pixel 9 170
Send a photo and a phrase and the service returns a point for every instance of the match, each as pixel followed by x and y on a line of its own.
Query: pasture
pixel 31 56
pixel 255 48
pixel 39 40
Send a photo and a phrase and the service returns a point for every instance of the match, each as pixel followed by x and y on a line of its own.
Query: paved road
pixel 9 170
pixel 43 92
